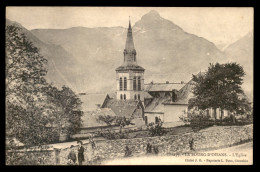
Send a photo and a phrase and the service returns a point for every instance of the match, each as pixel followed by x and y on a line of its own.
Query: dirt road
pixel 240 154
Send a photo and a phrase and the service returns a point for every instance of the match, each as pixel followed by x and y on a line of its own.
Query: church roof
pixel 130 67
pixel 130 62
pixel 129 45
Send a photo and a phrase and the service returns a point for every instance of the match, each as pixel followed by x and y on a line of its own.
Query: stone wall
pixel 214 137
pixel 168 145
pixel 210 138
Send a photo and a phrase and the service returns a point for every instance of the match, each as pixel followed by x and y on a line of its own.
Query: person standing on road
pixel 91 141
pixel 80 152
pixel 148 148
pixel 72 157
pixel 191 142
pixel 155 149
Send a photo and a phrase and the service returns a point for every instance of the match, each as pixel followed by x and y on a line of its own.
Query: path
pixel 243 152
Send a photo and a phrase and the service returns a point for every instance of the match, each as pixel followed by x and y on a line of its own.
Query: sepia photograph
pixel 91 86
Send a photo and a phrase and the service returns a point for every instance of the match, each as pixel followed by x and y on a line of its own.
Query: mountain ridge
pixel 162 48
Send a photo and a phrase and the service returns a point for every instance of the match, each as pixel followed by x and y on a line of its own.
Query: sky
pixel 218 25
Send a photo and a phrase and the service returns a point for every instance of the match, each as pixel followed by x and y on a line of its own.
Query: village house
pixel 167 104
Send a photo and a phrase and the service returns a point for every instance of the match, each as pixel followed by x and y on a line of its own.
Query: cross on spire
pixel 129 22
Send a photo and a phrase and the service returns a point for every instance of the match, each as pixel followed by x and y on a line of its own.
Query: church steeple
pixel 129 52
pixel 130 76
pixel 129 45
pixel 130 62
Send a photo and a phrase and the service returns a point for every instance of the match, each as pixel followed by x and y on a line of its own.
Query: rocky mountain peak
pixel 153 20
pixel 152 14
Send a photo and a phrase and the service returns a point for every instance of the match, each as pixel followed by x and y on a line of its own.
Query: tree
pixel 122 122
pixel 108 119
pixel 219 87
pixel 198 119
pixel 64 110
pixel 25 71
pixel 31 103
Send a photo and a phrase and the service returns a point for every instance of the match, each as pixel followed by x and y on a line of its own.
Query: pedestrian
pixel 72 158
pixel 191 142
pixel 91 141
pixel 127 151
pixel 148 148
pixel 156 149
pixel 80 152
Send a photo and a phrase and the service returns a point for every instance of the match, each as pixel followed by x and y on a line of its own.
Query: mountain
pixel 241 52
pixel 162 48
pixel 62 66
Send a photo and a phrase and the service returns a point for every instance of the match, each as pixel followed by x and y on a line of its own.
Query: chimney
pixel 167 82
pixel 174 96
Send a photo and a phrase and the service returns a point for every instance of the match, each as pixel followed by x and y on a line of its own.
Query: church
pixel 130 95
pixel 142 103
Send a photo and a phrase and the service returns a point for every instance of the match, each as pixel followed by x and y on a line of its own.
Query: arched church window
pixel 121 96
pixel 134 83
pixel 125 83
pixel 120 83
pixel 124 96
pixel 138 96
pixel 135 96
pixel 139 83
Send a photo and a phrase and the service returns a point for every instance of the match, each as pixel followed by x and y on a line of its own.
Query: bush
pixel 156 129
pixel 199 120
pixel 112 135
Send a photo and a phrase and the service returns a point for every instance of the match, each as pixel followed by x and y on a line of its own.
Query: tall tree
pixel 25 71
pixel 219 87
pixel 64 110
pixel 25 101
pixel 31 103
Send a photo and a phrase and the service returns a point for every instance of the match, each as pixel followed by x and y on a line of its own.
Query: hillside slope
pixel 241 52
pixel 162 48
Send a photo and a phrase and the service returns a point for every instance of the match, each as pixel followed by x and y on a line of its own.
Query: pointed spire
pixel 129 23
pixel 129 40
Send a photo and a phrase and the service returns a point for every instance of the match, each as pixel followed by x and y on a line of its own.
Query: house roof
pixel 156 105
pixel 183 95
pixel 90 118
pixel 90 101
pixel 122 107
pixel 171 77
pixel 162 86
pixel 112 95
pixel 147 95
pixel 103 111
